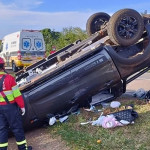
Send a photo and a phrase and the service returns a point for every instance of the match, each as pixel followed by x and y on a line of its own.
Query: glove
pixel 23 111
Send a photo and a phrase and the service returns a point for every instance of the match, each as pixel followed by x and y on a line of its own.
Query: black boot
pixel 29 147
pixel 24 147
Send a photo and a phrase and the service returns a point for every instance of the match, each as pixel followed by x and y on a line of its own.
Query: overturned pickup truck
pixel 116 53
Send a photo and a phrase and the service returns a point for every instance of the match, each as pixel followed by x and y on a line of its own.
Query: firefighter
pixel 10 115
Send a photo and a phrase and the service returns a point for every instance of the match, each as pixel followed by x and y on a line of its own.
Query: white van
pixel 22 48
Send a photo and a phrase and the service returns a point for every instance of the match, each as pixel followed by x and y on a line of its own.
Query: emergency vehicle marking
pixel 26 43
pixel 38 44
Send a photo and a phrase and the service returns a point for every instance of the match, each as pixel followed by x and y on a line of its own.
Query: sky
pixel 16 15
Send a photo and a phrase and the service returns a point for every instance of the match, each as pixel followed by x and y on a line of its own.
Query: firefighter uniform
pixel 10 116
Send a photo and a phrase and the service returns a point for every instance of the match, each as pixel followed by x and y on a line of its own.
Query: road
pixel 141 82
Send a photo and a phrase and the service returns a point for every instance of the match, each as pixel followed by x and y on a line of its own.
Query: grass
pixel 84 137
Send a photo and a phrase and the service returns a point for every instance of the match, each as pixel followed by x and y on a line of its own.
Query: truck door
pixel 97 72
pixel 52 96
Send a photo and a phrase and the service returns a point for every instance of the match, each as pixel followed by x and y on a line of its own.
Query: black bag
pixel 127 114
pixel 147 96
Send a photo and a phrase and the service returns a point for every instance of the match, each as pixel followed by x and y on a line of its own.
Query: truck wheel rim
pixel 127 27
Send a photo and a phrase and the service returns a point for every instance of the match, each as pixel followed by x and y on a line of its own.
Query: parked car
pixel 67 79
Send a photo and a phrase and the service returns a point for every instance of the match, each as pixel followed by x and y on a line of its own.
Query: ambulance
pixel 22 48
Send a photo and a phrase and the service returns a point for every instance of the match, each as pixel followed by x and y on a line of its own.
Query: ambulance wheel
pixel 96 22
pixel 14 67
pixel 125 27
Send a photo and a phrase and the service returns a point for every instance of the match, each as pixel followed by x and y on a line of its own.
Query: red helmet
pixel 1 60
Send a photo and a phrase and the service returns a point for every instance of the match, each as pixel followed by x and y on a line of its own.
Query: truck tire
pixel 96 21
pixel 14 67
pixel 125 27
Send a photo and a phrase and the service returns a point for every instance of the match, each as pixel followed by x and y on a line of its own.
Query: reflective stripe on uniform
pixel 9 95
pixel 16 91
pixel 3 144
pixel 2 73
pixel 2 99
pixel 21 142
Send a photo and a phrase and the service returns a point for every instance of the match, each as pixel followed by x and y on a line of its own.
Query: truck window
pixel 26 44
pixel 38 44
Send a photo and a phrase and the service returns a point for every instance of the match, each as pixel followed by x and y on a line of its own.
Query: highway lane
pixel 141 82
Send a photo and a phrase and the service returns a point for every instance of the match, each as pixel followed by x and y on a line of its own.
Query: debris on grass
pixel 53 120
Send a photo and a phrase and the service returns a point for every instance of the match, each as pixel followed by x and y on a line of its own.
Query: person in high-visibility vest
pixel 10 115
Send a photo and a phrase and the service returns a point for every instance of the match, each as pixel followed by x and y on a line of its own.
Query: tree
pixel 47 37
pixel 62 39
pixel 70 35
pixel 50 38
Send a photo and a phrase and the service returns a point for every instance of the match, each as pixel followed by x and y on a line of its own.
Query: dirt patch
pixel 40 139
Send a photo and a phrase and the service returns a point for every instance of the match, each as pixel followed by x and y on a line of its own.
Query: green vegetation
pixel 84 137
pixel 70 35
pixel 50 38
pixel 62 39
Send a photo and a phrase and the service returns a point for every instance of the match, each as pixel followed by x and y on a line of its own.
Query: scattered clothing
pixel 91 109
pixel 115 104
pixel 120 118
pixel 53 120
pixel 98 122
pixel 105 105
pixel 63 119
pixel 110 122
pixel 140 93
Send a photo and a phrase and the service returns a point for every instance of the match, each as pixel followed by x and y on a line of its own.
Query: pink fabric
pixel 110 122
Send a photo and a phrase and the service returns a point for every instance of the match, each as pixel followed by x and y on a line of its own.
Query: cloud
pixel 55 20
pixel 21 5
pixel 27 4
pixel 17 15
pixel 13 20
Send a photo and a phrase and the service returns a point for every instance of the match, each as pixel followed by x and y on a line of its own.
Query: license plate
pixel 26 58
pixel 27 62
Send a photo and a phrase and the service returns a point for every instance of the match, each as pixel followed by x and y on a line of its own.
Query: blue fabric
pixel 11 117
